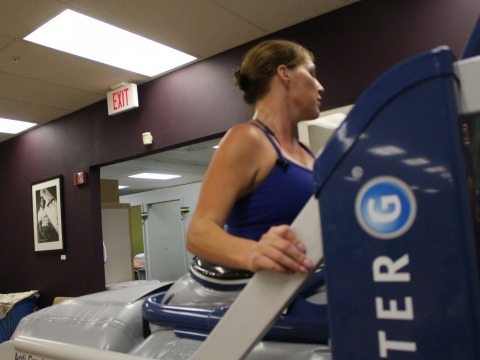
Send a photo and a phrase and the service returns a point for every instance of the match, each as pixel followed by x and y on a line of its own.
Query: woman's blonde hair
pixel 260 64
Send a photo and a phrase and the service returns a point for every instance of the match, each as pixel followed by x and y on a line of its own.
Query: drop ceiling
pixel 40 85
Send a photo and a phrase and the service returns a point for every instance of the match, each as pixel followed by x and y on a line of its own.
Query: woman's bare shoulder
pixel 244 137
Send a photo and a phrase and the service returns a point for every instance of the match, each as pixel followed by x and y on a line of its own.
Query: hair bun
pixel 241 79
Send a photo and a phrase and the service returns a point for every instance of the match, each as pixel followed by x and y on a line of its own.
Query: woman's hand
pixel 279 250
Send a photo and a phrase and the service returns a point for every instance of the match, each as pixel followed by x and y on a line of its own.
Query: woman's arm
pixel 242 161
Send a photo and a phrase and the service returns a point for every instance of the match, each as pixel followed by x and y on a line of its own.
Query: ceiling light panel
pixel 154 176
pixel 87 37
pixel 14 126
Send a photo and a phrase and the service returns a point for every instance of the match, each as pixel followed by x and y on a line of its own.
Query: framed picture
pixel 47 197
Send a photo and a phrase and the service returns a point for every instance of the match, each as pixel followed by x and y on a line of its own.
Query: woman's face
pixel 305 91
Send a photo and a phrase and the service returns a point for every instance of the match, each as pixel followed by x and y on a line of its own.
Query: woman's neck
pixel 277 126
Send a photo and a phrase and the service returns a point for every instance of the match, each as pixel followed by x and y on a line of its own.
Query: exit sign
pixel 122 99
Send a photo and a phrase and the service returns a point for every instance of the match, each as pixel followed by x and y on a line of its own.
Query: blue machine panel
pixel 397 227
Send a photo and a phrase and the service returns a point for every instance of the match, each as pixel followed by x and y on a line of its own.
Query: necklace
pixel 267 129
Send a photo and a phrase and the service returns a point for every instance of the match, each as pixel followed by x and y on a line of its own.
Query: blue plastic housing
pixel 396 221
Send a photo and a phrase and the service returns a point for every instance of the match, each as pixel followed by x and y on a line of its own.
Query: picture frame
pixel 47 203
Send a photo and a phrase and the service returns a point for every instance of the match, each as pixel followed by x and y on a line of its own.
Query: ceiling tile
pixel 20 18
pixel 52 66
pixel 283 12
pixel 42 93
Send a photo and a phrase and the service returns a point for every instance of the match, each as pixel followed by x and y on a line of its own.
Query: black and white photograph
pixel 47 215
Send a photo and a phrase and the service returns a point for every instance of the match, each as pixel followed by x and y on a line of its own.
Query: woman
pixel 261 176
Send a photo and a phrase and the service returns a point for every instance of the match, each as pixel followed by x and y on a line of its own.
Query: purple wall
pixel 353 46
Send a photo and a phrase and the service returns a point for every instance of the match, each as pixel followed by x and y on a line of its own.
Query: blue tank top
pixel 276 201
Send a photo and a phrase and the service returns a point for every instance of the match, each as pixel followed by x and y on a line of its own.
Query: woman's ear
pixel 284 74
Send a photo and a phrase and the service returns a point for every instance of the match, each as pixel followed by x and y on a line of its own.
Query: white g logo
pixel 385 207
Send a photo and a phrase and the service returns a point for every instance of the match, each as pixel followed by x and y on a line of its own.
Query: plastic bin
pixel 9 323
